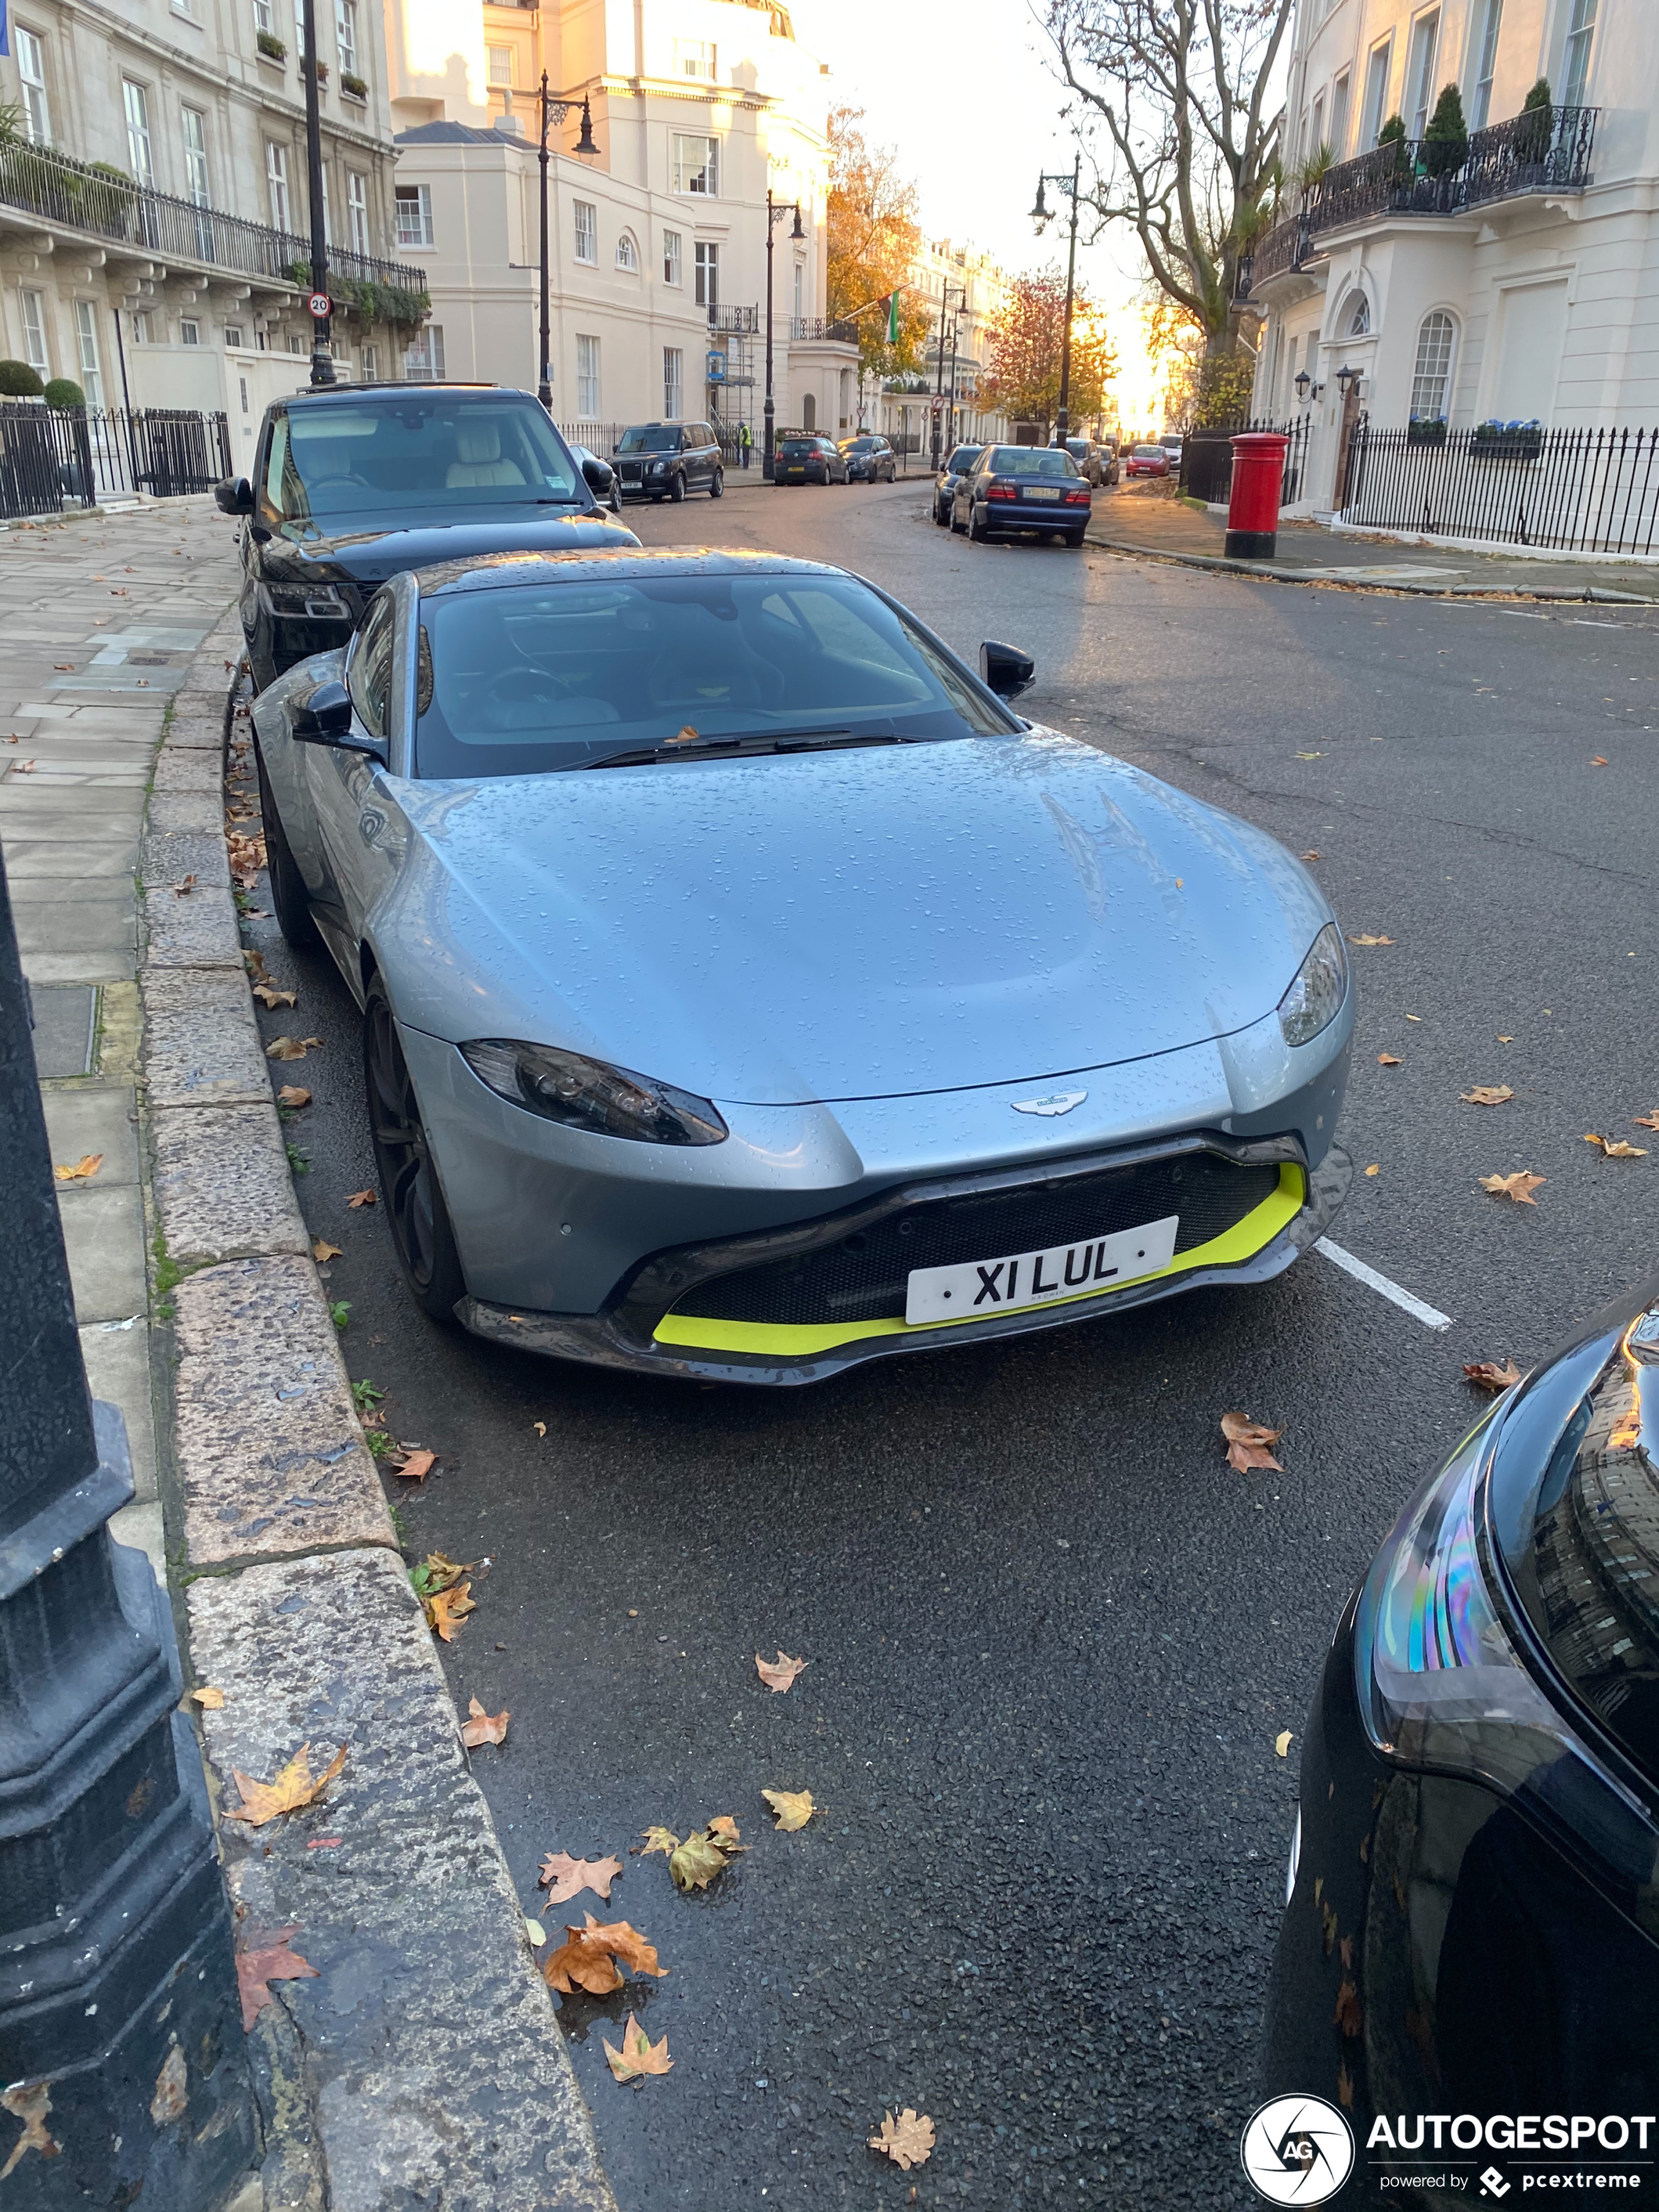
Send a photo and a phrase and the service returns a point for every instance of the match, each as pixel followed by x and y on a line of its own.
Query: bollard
pixel 1253 505
pixel 123 2069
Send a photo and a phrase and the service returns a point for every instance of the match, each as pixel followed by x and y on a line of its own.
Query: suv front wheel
pixel 677 488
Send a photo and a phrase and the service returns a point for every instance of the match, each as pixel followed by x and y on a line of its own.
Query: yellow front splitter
pixel 697 1332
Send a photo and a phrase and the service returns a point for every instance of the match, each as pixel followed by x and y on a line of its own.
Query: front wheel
pixel 288 886
pixel 941 515
pixel 717 484
pixel 956 527
pixel 414 1210
pixel 677 490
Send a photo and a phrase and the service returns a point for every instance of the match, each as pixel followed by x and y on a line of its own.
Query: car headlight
pixel 587 1094
pixel 1314 1001
pixel 656 468
pixel 317 602
pixel 1444 1688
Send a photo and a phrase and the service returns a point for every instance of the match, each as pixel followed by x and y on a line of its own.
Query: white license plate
pixel 1034 1279
pixel 1041 491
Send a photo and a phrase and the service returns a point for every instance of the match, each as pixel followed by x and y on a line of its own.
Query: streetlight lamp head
pixel 585 143
pixel 1302 381
pixel 1039 212
pixel 797 233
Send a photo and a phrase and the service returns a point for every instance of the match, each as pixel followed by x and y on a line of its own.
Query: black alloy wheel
pixel 676 490
pixel 717 484
pixel 414 1210
pixel 288 886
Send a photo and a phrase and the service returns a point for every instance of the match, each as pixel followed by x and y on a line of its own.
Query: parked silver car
pixel 748 991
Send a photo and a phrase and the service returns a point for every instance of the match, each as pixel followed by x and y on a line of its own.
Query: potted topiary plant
pixel 1535 126
pixel 1393 153
pixel 1446 140
pixel 19 381
pixel 64 392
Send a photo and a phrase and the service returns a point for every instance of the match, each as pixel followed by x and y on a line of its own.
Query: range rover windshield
pixel 421 450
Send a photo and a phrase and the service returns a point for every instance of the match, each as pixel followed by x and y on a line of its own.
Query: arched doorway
pixel 809 413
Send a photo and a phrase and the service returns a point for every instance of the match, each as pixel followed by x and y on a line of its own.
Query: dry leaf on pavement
pixel 322 1251
pixel 207 1699
pixel 1370 940
pixel 361 1198
pixel 273 994
pixel 778 1676
pixel 29 2102
pixel 293 1788
pixel 793 1807
pixel 586 1960
pixel 1388 1060
pixel 1375 1169
pixel 483 1727
pixel 292 1094
pixel 446 1609
pixel 1348 2016
pixel 1519 1187
pixel 1614 1148
pixel 83 1170
pixel 639 2056
pixel 1598 760
pixel 1644 1121
pixel 266 1958
pixel 1282 1742
pixel 1248 1442
pixel 288 1048
pixel 1487 1094
pixel 725 1827
pixel 1315 855
pixel 695 1862
pixel 657 1839
pixel 562 1876
pixel 908 2140
pixel 416 1464
pixel 1489 1375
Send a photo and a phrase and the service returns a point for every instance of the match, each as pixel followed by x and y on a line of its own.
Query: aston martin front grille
pixel 862 1276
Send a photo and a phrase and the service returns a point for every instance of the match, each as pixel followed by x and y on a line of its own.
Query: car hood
pixel 365 551
pixel 840 924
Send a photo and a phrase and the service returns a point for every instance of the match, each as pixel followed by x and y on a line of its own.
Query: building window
pixel 414 204
pixel 1420 77
pixel 277 184
pixel 189 331
pixel 295 343
pixel 328 219
pixel 345 35
pixel 1359 319
pixel 673 382
pixel 34 331
pixel 357 210
pixel 499 63
pixel 708 274
pixel 234 335
pixel 697 165
pixel 693 57
pixel 143 326
pixel 1377 64
pixel 1485 65
pixel 1581 37
pixel 265 17
pixel 587 379
pixel 1340 119
pixel 627 254
pixel 587 230
pixel 671 257
pixel 800 287
pixel 135 103
pixel 809 413
pixel 86 341
pixel 1432 378
pixel 196 159
pixel 371 363
pixel 425 358
pixel 31 70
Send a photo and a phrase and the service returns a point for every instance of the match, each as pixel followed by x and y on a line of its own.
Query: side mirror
pixel 325 720
pixel 233 497
pixel 1006 670
pixel 596 473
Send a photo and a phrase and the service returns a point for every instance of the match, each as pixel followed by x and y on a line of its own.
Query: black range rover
pixel 354 483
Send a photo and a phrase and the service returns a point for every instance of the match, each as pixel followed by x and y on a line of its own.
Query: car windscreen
pixel 857 445
pixel 799 449
pixel 1031 461
pixel 964 458
pixel 650 438
pixel 1150 454
pixel 530 679
pixel 423 451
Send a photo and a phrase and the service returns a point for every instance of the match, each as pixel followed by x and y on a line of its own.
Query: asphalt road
pixel 1052 1636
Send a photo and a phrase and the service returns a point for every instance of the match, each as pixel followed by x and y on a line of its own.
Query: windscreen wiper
pixel 738 745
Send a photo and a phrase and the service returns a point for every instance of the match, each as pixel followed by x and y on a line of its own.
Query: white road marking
pixel 1430 1316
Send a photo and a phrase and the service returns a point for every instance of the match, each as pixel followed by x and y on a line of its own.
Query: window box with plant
pixel 1508 442
pixel 355 88
pixel 1426 430
pixel 270 46
pixel 322 71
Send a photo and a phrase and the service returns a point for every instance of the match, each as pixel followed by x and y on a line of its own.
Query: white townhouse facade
pixel 964 290
pixel 154 217
pixel 1519 285
pixel 657 240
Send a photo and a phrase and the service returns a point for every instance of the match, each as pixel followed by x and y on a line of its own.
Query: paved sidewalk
pixel 100 619
pixel 1143 520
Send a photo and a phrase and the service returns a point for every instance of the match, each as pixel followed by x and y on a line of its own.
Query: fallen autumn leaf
pixel 272 995
pixel 694 1863
pixel 639 2056
pixel 657 1839
pixel 1519 1187
pixel 358 1198
pixel 446 1609
pixel 415 1466
pixel 587 1960
pixel 294 1095
pixel 1388 1060
pixel 1247 1442
pixel 1487 1094
pixel 82 1170
pixel 207 1700
pixel 266 1961
pixel 793 1807
pixel 483 1727
pixel 322 1251
pixel 1489 1375
pixel 562 1876
pixel 780 1674
pixel 908 2140
pixel 1370 940
pixel 1282 1742
pixel 1614 1148
pixel 1644 1121
pixel 1375 1169
pixel 293 1788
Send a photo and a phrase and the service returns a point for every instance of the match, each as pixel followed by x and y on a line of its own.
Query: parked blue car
pixel 1022 488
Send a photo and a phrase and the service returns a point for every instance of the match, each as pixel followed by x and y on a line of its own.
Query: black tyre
pixel 717 484
pixel 1074 538
pixel 956 527
pixel 414 1210
pixel 941 515
pixel 288 886
pixel 977 527
pixel 676 490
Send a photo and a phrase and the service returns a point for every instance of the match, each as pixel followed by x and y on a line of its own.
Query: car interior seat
pixel 478 458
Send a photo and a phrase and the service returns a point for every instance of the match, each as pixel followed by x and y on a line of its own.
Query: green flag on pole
pixel 892 318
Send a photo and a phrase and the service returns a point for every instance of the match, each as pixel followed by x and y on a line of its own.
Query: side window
pixel 371 667
pixel 275 464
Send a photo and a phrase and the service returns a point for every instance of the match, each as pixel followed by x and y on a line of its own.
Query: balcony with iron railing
pixel 100 204
pixel 1546 149
pixel 823 330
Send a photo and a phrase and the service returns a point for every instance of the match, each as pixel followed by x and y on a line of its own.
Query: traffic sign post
pixel 321 306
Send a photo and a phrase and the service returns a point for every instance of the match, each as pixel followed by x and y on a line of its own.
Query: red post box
pixel 1253 509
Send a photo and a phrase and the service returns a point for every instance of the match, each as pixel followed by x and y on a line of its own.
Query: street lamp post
pixel 775 211
pixel 1040 214
pixel 322 355
pixel 553 111
pixel 938 378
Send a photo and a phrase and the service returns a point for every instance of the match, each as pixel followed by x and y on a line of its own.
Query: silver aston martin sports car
pixel 748 991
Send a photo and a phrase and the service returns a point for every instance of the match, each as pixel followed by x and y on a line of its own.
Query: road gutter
pixel 1282 572
pixel 423 2063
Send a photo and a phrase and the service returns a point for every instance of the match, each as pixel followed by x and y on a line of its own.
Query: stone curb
pixel 1280 572
pixel 425 2064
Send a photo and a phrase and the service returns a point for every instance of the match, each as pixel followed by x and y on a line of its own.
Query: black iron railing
pixel 1542 149
pixel 809 329
pixel 1206 459
pixel 54 457
pixel 1578 491
pixel 737 319
pixel 90 196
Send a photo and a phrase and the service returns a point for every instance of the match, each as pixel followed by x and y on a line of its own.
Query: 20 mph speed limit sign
pixel 320 305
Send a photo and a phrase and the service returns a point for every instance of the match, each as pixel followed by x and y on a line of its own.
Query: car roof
pixel 487 572
pixel 329 395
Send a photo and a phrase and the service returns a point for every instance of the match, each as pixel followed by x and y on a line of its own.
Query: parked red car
pixel 1147 461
